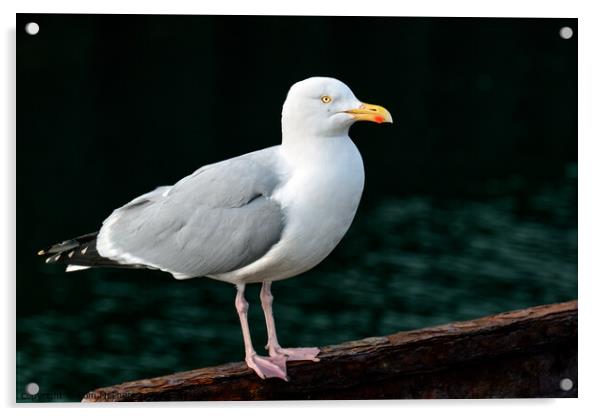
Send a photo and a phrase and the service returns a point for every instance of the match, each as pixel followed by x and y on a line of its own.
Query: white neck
pixel 312 150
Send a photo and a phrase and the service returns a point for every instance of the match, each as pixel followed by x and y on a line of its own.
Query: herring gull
pixel 260 217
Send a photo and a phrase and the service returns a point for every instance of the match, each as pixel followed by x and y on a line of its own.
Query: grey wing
pixel 216 220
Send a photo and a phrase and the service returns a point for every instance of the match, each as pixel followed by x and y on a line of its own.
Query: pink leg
pixel 264 367
pixel 275 350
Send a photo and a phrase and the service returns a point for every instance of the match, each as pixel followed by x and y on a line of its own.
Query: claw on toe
pixel 268 367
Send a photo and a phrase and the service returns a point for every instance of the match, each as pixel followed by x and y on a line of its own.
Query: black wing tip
pixel 70 244
pixel 67 248
pixel 79 251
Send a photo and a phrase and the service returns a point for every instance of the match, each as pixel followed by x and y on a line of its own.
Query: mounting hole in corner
pixel 32 28
pixel 566 32
pixel 566 384
pixel 32 389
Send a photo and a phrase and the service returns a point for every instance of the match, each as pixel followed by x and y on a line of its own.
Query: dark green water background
pixel 470 205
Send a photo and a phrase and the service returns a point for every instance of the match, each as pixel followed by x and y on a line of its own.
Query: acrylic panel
pixel 468 209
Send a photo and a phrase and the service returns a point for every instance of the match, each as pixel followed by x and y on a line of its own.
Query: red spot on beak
pixel 379 119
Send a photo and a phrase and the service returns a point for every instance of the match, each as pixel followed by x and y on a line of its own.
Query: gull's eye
pixel 326 99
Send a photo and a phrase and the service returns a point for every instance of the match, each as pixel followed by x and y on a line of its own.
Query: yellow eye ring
pixel 325 99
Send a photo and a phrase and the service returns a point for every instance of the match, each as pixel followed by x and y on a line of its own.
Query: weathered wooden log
pixel 524 353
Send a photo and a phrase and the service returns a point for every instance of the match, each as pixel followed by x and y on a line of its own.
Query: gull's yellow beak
pixel 371 112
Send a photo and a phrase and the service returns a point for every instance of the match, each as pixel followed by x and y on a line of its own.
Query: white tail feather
pixel 75 268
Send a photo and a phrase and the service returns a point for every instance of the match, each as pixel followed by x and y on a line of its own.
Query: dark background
pixel 470 201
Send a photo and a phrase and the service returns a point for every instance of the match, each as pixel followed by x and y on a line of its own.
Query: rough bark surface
pixel 524 353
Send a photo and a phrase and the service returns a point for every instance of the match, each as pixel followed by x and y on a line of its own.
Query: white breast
pixel 320 194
